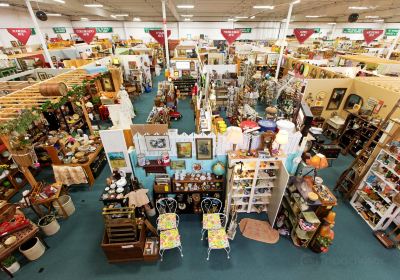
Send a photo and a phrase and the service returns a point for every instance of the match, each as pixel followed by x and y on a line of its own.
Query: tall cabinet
pixel 373 200
pixel 256 185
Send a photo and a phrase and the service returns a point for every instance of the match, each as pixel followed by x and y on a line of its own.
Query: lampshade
pixel 318 161
pixel 282 138
pixel 234 135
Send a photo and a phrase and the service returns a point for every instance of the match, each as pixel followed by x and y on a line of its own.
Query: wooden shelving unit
pixel 373 198
pixel 256 185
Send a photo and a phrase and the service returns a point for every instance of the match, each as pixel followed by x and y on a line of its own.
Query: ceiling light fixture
pixel 93 5
pixel 185 6
pixel 59 1
pixel 186 15
pixel 241 17
pixel 187 19
pixel 136 19
pixel 231 19
pixel 121 15
pixel 113 16
pixel 332 23
pixel 379 20
pixel 54 15
pixel 4 5
pixel 264 7
pixel 371 16
pixel 84 19
pixel 358 8
pixel 313 16
pixel 252 17
pixel 296 2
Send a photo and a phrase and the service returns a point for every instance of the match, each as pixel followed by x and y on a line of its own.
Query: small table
pixel 154 167
pixel 22 235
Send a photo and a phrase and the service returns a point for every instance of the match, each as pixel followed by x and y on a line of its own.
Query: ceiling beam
pixel 78 6
pixel 171 6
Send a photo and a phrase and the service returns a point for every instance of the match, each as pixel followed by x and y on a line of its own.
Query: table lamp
pixel 318 161
pixel 282 138
pixel 234 135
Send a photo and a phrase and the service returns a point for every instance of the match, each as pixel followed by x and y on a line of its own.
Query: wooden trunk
pixel 53 89
pixel 124 252
pixel 23 158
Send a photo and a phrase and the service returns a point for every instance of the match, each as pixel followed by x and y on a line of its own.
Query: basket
pixel 396 199
pixel 53 89
pixel 7 212
pixel 22 158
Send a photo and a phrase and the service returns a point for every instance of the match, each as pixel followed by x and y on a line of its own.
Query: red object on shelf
pixel 248 125
pixel 17 223
pixel 2 148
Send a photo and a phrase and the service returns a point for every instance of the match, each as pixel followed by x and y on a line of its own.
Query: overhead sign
pixel 231 34
pixel 391 31
pixel 147 29
pixel 370 35
pixel 353 30
pixel 244 30
pixel 303 34
pixel 21 34
pixel 159 35
pixel 317 30
pixel 86 34
pixel 59 30
pixel 104 29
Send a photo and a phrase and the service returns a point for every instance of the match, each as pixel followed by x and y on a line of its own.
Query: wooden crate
pixel 126 251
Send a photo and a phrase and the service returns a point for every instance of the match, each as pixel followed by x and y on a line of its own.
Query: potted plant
pixel 21 149
pixel 11 264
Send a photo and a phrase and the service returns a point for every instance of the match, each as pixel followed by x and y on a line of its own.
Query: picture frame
pixel 178 164
pixel 336 98
pixel 204 148
pixel 107 83
pixel 157 143
pixel 42 76
pixel 184 149
pixel 14 44
pixel 116 159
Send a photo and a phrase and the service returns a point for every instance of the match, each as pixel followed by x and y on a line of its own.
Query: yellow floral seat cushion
pixel 217 239
pixel 169 239
pixel 166 221
pixel 211 221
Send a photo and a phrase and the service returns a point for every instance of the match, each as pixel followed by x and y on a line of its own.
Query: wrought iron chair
pixel 167 218
pixel 211 219
pixel 170 239
pixel 218 239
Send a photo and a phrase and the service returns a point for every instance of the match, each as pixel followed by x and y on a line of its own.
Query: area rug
pixel 258 230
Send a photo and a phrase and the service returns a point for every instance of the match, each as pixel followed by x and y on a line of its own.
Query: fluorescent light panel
pixel 93 5
pixel 379 20
pixel 84 18
pixel 296 2
pixel 313 16
pixel 186 15
pixel 4 5
pixel 241 17
pixel 136 19
pixel 332 23
pixel 121 15
pixel 54 15
pixel 371 16
pixel 358 8
pixel 187 19
pixel 252 17
pixel 59 1
pixel 185 6
pixel 264 7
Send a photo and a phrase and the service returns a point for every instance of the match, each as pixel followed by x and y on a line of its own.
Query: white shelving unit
pixel 256 185
pixel 373 198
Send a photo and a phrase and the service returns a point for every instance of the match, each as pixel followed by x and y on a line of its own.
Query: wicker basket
pixel 23 158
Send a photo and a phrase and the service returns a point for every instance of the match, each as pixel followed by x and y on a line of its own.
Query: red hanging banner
pixel 86 34
pixel 231 34
pixel 303 34
pixel 21 34
pixel 370 35
pixel 159 35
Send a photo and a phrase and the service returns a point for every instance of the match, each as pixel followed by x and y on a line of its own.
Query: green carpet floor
pixel 75 251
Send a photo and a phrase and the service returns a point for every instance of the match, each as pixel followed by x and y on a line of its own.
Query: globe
pixel 219 169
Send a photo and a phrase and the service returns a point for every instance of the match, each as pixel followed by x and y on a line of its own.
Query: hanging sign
pixel 370 35
pixel 391 31
pixel 59 30
pixel 303 34
pixel 104 29
pixel 244 30
pixel 147 29
pixel 159 35
pixel 353 30
pixel 231 34
pixel 21 34
pixel 86 34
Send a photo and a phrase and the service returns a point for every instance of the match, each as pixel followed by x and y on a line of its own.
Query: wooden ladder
pixel 353 176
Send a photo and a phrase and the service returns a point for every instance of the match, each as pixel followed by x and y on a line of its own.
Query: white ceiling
pixel 221 10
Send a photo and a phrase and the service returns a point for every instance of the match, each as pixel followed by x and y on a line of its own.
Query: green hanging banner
pixel 391 31
pixel 353 30
pixel 147 29
pixel 33 31
pixel 244 30
pixel 59 30
pixel 104 29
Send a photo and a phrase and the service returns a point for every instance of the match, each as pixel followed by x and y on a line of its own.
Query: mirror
pixel 352 100
pixel 336 98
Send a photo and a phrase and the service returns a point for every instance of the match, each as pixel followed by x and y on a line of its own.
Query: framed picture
pixel 14 44
pixel 204 148
pixel 117 159
pixel 157 142
pixel 42 76
pixel 336 98
pixel 178 164
pixel 107 83
pixel 184 149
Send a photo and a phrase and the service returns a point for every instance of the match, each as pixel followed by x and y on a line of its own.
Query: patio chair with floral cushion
pixel 170 239
pixel 211 218
pixel 167 218
pixel 218 239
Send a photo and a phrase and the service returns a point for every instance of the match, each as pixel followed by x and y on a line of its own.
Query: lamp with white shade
pixel 234 135
pixel 282 138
